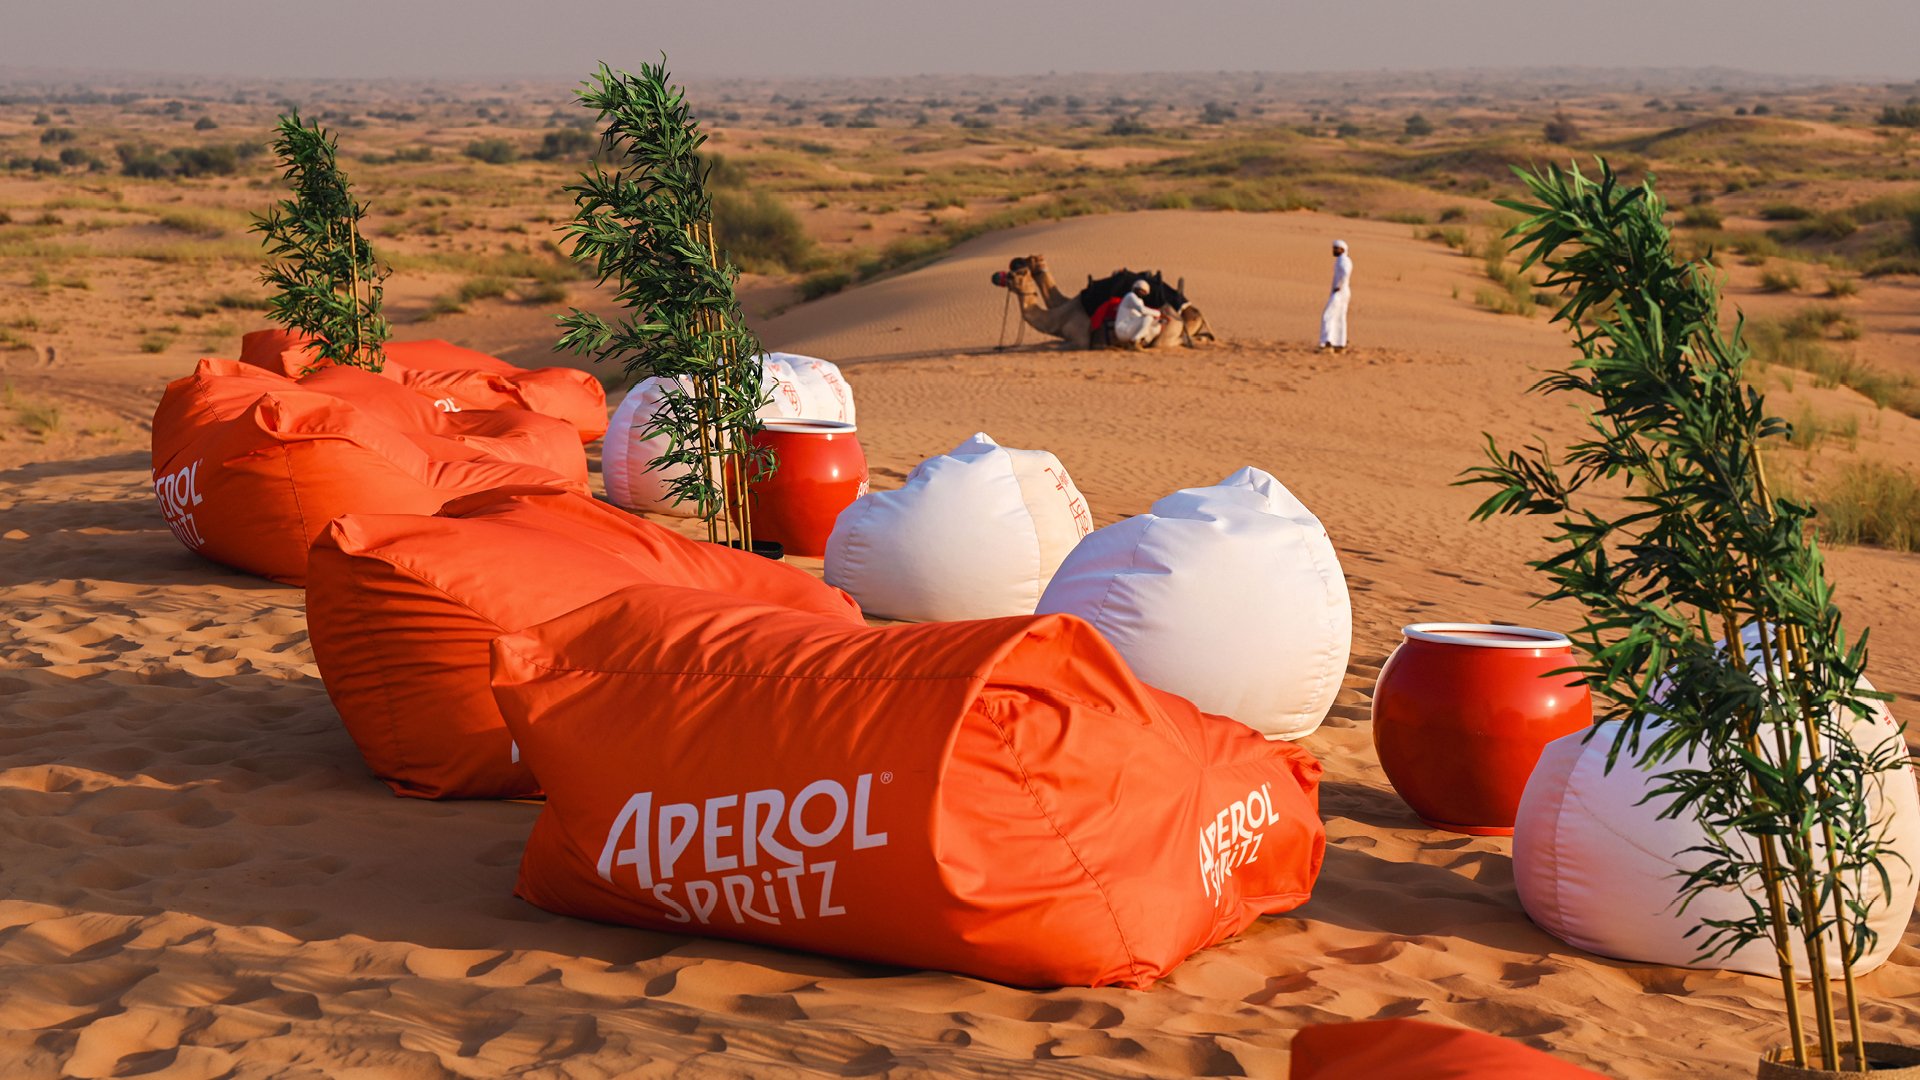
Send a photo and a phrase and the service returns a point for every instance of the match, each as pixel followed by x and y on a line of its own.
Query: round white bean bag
pixel 1596 867
pixel 1230 596
pixel 824 393
pixel 800 387
pixel 973 534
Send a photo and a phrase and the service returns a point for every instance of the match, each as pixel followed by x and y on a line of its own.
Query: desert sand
pixel 202 880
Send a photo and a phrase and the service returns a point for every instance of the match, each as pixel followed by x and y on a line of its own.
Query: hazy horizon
pixel 493 39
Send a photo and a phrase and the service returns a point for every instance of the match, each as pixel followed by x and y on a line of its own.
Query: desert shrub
pixel 1894 264
pixel 1561 130
pixel 238 301
pixel 1215 113
pixel 1171 200
pixel 1453 213
pixel 1755 248
pixel 37 420
pixel 205 123
pixel 155 343
pixel 1901 116
pixel 1783 211
pixel 1128 126
pixel 1405 217
pixel 482 288
pixel 567 144
pixel 1507 301
pixel 192 222
pixel 53 136
pixel 148 162
pixel 1779 279
pixel 1347 130
pixel 74 157
pixel 1418 126
pixel 1809 429
pixel 1841 288
pixel 1797 343
pixel 541 292
pixel 493 151
pixel 1452 236
pixel 1830 225
pixel 1701 217
pixel 1869 503
pixel 825 283
pixel 1817 320
pixel 759 233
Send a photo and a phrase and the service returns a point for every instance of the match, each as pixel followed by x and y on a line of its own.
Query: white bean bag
pixel 1230 596
pixel 972 534
pixel 1597 868
pixel 800 387
pixel 823 392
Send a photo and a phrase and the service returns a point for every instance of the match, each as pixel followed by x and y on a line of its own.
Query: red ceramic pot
pixel 820 469
pixel 1461 713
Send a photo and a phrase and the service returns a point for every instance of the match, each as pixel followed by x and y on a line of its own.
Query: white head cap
pixel 1340 245
pixel 1140 285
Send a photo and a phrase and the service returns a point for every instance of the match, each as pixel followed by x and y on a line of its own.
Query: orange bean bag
pixel 456 378
pixel 1416 1050
pixel 1000 798
pixel 402 609
pixel 249 466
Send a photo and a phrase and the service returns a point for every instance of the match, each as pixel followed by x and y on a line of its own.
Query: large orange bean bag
pixel 1000 798
pixel 1415 1050
pixel 456 378
pixel 402 609
pixel 249 466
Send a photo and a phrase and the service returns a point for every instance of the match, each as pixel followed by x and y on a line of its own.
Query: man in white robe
pixel 1333 319
pixel 1135 323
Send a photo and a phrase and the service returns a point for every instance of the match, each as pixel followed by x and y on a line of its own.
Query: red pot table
pixel 819 470
pixel 1461 713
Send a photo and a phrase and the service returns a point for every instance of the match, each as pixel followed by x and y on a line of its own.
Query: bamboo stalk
pixel 353 276
pixel 1770 875
pixel 1792 656
pixel 1810 933
pixel 1795 648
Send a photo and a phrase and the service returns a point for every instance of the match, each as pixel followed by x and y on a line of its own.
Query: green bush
pixel 1901 116
pixel 492 151
pixel 759 233
pixel 1701 217
pixel 567 144
pixel 1870 503
pixel 1831 225
pixel 1781 211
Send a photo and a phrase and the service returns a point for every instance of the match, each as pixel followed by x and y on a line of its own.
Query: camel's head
pixel 1018 276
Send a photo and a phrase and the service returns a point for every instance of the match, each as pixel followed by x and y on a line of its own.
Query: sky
pixel 1866 39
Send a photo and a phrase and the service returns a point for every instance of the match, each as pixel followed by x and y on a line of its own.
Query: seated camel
pixel 1070 318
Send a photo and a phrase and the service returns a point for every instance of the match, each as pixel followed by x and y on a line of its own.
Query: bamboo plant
pixel 1711 634
pixel 328 280
pixel 644 220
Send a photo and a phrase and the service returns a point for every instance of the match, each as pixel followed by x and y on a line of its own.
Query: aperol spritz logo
pixel 1232 839
pixel 747 857
pixel 179 493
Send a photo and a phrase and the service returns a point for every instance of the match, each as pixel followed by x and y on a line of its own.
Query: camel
pixel 1045 308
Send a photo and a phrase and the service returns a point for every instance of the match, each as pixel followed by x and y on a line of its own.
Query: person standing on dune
pixel 1333 319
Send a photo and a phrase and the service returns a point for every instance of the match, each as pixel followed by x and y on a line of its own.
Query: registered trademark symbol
pixel 886 778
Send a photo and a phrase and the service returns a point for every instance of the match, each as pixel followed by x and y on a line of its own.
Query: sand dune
pixel 1259 277
pixel 203 881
